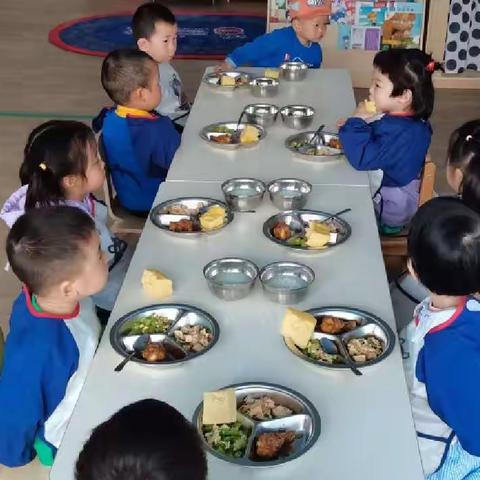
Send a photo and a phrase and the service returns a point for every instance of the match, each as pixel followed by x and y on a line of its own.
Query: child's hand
pixel 341 122
pixel 223 67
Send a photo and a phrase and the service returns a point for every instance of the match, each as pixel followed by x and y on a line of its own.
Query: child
pixel 139 145
pixel 155 30
pixel 299 42
pixel 61 167
pixel 442 343
pixel 397 141
pixel 148 439
pixel 55 252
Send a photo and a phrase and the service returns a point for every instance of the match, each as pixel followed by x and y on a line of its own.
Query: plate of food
pixel 233 135
pixel 326 146
pixel 227 81
pixel 271 425
pixel 191 216
pixel 360 336
pixel 307 230
pixel 176 333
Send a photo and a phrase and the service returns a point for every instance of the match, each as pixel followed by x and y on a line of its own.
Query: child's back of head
pixel 148 439
pixel 444 247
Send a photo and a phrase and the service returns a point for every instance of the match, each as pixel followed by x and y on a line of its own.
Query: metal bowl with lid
pixel 243 194
pixel 289 193
pixel 264 87
pixel 297 116
pixel 293 71
pixel 262 114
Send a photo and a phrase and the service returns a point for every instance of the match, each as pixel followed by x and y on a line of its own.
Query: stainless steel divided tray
pixel 367 325
pixel 303 421
pixel 295 143
pixel 187 208
pixel 229 129
pixel 297 221
pixel 242 80
pixel 131 326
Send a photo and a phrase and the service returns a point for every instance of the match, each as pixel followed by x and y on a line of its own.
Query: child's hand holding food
pixel 365 109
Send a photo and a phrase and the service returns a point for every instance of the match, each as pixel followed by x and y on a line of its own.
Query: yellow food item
pixel 227 81
pixel 317 234
pixel 249 134
pixel 156 284
pixel 298 326
pixel 370 106
pixel 272 73
pixel 213 218
pixel 219 407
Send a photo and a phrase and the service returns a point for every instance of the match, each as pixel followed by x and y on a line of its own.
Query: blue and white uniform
pixel 442 370
pixel 45 365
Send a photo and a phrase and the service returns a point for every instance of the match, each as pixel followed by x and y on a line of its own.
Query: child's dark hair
pixel 464 154
pixel 410 69
pixel 125 70
pixel 148 439
pixel 146 16
pixel 54 150
pixel 45 246
pixel 444 247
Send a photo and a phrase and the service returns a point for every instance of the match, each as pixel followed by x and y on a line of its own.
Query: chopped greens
pixel 228 439
pixel 148 324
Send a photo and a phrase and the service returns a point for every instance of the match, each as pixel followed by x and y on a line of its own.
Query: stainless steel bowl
pixel 221 128
pixel 289 193
pixel 317 152
pixel 214 80
pixel 297 116
pixel 304 421
pixel 286 282
pixel 293 71
pixel 264 87
pixel 262 114
pixel 243 193
pixel 230 278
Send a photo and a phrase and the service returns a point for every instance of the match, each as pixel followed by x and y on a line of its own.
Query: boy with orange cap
pixel 298 42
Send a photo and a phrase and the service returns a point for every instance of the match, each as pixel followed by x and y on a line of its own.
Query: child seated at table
pixel 61 166
pixel 391 133
pixel 145 440
pixel 55 252
pixel 154 28
pixel 139 145
pixel 442 343
pixel 298 42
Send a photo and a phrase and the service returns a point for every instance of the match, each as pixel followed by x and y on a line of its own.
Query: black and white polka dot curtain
pixel 463 38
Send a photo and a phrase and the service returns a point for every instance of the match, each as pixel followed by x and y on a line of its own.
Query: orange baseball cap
pixel 308 8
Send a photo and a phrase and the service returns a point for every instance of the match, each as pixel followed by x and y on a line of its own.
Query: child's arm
pixel 167 141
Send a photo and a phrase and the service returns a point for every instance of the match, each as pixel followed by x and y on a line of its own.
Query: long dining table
pixel 367 430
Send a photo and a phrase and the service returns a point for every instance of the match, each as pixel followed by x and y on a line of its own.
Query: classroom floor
pixel 40 81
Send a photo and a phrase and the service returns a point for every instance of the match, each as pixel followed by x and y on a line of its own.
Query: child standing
pixel 154 28
pixel 61 166
pixel 395 137
pixel 442 343
pixel 139 145
pixel 148 439
pixel 55 252
pixel 299 42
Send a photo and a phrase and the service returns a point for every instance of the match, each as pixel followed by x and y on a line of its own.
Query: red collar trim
pixel 455 315
pixel 31 309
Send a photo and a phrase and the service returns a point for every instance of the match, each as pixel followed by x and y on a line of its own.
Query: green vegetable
pixel 314 350
pixel 148 324
pixel 222 129
pixel 228 439
pixel 297 242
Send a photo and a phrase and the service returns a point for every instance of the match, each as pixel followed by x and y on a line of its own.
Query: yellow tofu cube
pixel 156 284
pixel 213 218
pixel 370 106
pixel 272 73
pixel 227 81
pixel 317 234
pixel 249 134
pixel 219 407
pixel 298 326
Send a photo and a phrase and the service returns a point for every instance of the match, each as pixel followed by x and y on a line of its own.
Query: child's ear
pixel 142 44
pixel 406 97
pixel 70 181
pixel 410 269
pixel 68 290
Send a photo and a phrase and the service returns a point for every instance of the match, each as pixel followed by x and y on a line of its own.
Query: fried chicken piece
pixel 225 139
pixel 335 143
pixel 282 231
pixel 183 225
pixel 154 352
pixel 269 445
pixel 332 325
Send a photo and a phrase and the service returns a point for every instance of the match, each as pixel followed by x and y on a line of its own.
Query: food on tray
pixel 148 324
pixel 317 234
pixel 335 325
pixel 364 349
pixel 183 225
pixel 314 350
pixel 194 338
pixel 156 284
pixel 250 134
pixel 281 231
pixel 228 81
pixel 213 218
pixel 230 439
pixel 224 139
pixel 335 143
pixel 263 408
pixel 154 352
pixel 219 407
pixel 178 209
pixel 298 326
pixel 272 73
pixel 370 106
pixel 274 444
pixel 332 147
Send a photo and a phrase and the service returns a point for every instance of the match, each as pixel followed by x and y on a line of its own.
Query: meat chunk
pixel 270 445
pixel 183 225
pixel 154 352
pixel 282 231
pixel 334 325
